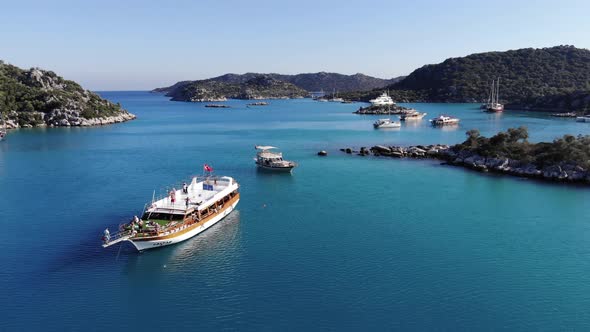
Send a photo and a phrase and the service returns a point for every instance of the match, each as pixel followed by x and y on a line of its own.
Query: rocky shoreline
pixel 383 110
pixel 562 172
pixel 69 119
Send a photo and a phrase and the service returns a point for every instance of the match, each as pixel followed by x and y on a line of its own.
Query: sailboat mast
pixel 498 91
pixel 493 91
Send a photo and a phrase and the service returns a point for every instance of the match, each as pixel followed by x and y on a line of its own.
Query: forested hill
pixel 526 74
pixel 546 79
pixel 257 87
pixel 35 97
pixel 309 82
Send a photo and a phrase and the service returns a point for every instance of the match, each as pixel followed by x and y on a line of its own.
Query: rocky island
pixel 259 87
pixel 36 98
pixel 268 86
pixel 566 159
pixel 383 110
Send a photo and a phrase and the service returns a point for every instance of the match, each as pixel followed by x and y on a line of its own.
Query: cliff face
pixel 258 87
pixel 35 97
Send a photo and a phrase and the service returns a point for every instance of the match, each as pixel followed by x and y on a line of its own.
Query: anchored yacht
pixel 181 215
pixel 383 100
pixel 444 120
pixel 272 160
pixel 493 104
pixel 415 115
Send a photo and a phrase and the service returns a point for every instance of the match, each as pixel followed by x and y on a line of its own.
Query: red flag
pixel 207 168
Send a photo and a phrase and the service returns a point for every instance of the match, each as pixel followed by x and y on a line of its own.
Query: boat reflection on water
pixel 495 116
pixel 416 124
pixel 218 242
pixel 449 128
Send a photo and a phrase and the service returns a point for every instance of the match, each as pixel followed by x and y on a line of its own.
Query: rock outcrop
pixel 37 98
pixel 562 172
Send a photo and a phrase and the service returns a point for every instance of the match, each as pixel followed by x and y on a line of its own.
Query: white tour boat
pixel 444 120
pixel 383 100
pixel 272 160
pixel 386 123
pixel 583 118
pixel 415 115
pixel 181 215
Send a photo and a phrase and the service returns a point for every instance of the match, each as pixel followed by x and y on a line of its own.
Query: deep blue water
pixel 345 243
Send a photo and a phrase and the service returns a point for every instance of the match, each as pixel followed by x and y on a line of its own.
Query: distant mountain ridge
pixel 308 82
pixel 255 87
pixel 526 76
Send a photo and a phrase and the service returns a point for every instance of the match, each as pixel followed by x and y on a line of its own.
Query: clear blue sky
pixel 139 45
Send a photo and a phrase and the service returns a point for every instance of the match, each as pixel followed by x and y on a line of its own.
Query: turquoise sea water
pixel 345 243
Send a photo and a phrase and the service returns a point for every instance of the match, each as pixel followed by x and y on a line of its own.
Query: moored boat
pixel 272 160
pixel 181 215
pixel 412 116
pixel 583 118
pixel 493 104
pixel 386 123
pixel 383 100
pixel 444 120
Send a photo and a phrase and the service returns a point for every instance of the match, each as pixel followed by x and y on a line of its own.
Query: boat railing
pixel 115 238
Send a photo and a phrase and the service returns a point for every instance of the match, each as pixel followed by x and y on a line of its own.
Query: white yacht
pixel 583 118
pixel 180 215
pixel 383 100
pixel 386 123
pixel 444 120
pixel 335 97
pixel 410 116
pixel 272 160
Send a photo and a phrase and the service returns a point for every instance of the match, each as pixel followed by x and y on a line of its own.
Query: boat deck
pixel 201 193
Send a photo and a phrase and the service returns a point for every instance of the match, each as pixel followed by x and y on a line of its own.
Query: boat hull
pixel 276 169
pixel 389 126
pixel 169 239
pixel 495 109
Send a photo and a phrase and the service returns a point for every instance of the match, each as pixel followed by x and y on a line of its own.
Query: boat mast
pixel 498 91
pixel 491 93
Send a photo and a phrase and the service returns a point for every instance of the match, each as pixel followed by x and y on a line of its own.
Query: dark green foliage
pixel 257 87
pixel 555 78
pixel 513 144
pixel 525 74
pixel 577 101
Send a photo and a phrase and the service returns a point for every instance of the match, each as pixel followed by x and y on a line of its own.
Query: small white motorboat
pixel 386 123
pixel 272 160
